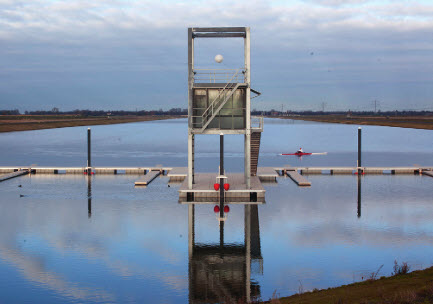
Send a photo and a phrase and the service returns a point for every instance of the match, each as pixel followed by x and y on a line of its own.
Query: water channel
pixel 74 239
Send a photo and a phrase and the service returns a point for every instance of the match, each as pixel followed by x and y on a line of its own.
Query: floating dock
pixel 203 190
pixel 298 178
pixel 428 173
pixel 96 170
pixel 354 170
pixel 267 174
pixel 17 173
pixel 178 175
pixel 148 178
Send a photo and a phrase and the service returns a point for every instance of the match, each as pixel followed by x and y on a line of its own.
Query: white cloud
pixel 151 35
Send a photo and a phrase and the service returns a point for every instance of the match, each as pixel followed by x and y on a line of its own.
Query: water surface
pixel 74 239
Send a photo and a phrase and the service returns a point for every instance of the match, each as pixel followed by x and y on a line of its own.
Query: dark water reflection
pixel 221 272
pixel 98 239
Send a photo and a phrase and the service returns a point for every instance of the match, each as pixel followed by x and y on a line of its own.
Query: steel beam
pixel 247 52
pixel 218 35
pixel 219 29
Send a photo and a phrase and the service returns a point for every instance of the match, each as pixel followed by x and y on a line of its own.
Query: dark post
pixel 221 173
pixel 359 149
pixel 89 196
pixel 221 235
pixel 89 163
pixel 359 196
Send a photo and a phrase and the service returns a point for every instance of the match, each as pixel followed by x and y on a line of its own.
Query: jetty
pixel 14 173
pixel 298 178
pixel 148 178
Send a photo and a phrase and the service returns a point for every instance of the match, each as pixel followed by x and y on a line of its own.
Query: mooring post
pixel 359 151
pixel 221 174
pixel 89 162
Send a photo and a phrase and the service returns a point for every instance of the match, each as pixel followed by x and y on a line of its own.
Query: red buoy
pixel 216 209
pixel 216 186
pixel 226 187
pixel 226 209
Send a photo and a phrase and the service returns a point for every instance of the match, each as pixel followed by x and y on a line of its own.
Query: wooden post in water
pixel 89 160
pixel 359 151
pixel 221 174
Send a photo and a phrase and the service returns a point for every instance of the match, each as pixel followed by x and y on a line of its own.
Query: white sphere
pixel 219 58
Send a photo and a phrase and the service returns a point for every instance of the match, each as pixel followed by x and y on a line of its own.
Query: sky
pixel 132 55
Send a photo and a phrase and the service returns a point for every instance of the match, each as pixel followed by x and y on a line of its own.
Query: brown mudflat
pixel 37 122
pixel 416 122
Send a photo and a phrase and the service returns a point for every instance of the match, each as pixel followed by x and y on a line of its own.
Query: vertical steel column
pixel 191 229
pixel 89 160
pixel 191 234
pixel 222 236
pixel 247 53
pixel 247 241
pixel 191 139
pixel 359 150
pixel 221 173
pixel 190 110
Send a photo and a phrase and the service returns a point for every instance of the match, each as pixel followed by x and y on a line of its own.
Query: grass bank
pixel 414 287
pixel 416 122
pixel 11 123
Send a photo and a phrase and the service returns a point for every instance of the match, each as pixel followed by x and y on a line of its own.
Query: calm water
pixel 71 239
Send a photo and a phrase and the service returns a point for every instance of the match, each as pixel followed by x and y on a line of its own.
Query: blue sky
pixel 113 54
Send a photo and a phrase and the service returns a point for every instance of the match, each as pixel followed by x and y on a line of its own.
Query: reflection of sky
pixel 135 245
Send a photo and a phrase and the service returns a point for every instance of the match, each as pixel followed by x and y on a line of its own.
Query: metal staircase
pixel 219 101
pixel 255 149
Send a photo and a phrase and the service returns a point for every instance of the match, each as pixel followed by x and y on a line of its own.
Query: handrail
pixel 208 121
pixel 217 75
pixel 257 120
pixel 211 106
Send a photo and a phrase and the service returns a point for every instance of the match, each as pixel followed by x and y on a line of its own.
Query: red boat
pixel 304 153
pixel 297 153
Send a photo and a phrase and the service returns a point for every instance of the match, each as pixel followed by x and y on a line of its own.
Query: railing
pixel 218 75
pixel 257 123
pixel 216 103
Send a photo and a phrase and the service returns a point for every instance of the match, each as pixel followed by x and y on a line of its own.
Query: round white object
pixel 219 58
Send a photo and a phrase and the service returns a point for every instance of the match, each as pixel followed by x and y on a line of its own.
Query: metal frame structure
pixel 219 32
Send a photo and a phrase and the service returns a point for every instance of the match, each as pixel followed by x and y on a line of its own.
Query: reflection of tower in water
pixel 359 196
pixel 222 272
pixel 89 196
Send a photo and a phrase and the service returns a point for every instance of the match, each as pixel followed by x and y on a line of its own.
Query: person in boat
pixel 300 151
